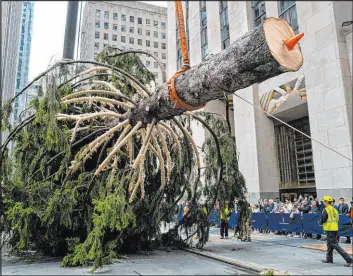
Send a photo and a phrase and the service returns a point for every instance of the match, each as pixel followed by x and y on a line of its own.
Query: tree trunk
pixel 255 57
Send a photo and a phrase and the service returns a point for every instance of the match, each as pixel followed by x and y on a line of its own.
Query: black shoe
pixel 327 262
pixel 317 238
pixel 222 238
pixel 347 241
pixel 348 264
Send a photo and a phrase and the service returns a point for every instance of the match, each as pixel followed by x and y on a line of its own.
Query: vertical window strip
pixel 203 23
pixel 223 12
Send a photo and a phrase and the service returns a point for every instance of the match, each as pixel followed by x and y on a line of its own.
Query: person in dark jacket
pixel 315 210
pixel 305 209
pixel 329 221
pixel 343 209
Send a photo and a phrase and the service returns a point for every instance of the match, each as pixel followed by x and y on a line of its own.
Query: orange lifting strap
pixel 179 103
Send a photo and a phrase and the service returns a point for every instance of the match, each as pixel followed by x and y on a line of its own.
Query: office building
pixel 23 57
pixel 275 160
pixel 10 37
pixel 125 25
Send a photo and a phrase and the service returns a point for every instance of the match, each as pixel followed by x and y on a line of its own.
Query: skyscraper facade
pixel 125 25
pixel 10 37
pixel 23 56
pixel 275 160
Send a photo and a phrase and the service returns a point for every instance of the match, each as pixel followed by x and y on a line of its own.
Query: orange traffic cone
pixel 291 42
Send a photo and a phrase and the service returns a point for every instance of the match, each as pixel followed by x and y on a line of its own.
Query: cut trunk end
pixel 277 33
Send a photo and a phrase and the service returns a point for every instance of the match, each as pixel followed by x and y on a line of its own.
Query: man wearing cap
pixel 329 222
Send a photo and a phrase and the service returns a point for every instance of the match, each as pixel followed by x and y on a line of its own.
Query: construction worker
pixel 329 221
pixel 225 217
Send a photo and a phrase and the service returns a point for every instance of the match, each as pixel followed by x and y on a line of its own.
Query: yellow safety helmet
pixel 327 198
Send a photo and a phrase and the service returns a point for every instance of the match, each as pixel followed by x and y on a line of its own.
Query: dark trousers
pixel 332 244
pixel 224 228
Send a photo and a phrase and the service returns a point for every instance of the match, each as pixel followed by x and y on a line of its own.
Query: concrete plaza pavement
pixel 155 263
pixel 218 257
pixel 280 253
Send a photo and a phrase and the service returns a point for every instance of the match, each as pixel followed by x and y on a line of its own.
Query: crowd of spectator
pixel 307 205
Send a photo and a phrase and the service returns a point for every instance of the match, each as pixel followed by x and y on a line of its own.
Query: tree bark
pixel 255 57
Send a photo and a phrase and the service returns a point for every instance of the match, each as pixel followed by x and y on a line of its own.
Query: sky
pixel 48 33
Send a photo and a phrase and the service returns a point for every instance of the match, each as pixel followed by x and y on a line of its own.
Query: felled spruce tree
pixel 100 161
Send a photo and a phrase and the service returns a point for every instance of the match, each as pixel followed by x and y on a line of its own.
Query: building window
pixel 139 31
pixel 148 33
pixel 259 12
pixel 105 45
pixel 204 40
pixel 155 23
pixel 139 20
pixel 165 66
pixel 123 17
pixel 139 41
pixel 131 30
pixel 163 46
pixel 156 54
pixel 96 45
pixel 187 24
pixel 223 9
pixel 123 39
pixel 148 43
pixel 98 24
pixel 123 28
pixel 98 13
pixel 163 25
pixel 155 44
pixel 106 36
pixel 178 48
pixel 164 56
pixel 155 75
pixel 288 11
pixel 148 63
pixel 155 34
pixel 132 19
pixel 95 55
pixel 115 27
pixel 96 34
pixel 294 155
pixel 163 35
pixel 148 22
pixel 115 37
pixel 155 65
pixel 106 15
pixel 115 15
pixel 131 40
pixel 106 25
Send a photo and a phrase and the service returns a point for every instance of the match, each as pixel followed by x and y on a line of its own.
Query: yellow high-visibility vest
pixel 224 215
pixel 332 221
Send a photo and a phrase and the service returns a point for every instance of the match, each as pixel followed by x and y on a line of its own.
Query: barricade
pixel 282 222
pixel 306 223
pixel 259 220
pixel 311 224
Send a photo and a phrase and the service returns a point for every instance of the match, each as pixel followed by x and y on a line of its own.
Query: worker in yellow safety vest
pixel 225 217
pixel 329 222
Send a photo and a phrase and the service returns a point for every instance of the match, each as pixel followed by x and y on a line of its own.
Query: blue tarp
pixel 233 222
pixel 282 222
pixel 311 224
pixel 259 220
pixel 345 227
